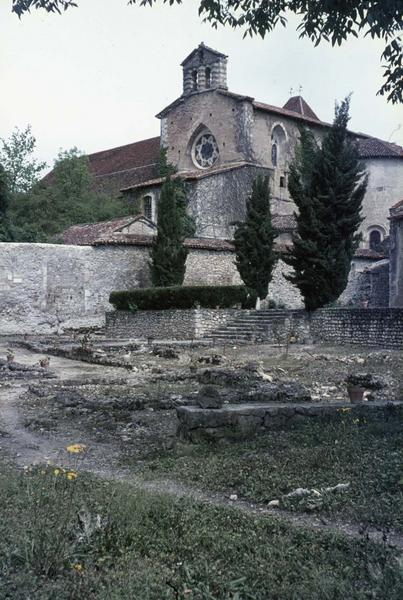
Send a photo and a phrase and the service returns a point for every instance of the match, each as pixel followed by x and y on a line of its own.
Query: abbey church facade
pixel 219 140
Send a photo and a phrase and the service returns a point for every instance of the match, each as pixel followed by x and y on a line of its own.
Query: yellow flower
pixel 78 567
pixel 344 410
pixel 56 472
pixel 76 448
pixel 72 475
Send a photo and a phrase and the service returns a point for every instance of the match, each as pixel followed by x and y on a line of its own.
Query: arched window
pixel 148 207
pixel 274 154
pixel 194 79
pixel 208 77
pixel 278 140
pixel 375 239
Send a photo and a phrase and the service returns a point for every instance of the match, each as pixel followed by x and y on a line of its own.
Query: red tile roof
pixel 373 148
pixel 299 105
pixel 85 234
pixel 126 165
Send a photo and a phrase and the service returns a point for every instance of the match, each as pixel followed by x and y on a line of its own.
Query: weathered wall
pixel 167 324
pixel 385 188
pixel 47 286
pixel 217 202
pixel 396 258
pixel 379 327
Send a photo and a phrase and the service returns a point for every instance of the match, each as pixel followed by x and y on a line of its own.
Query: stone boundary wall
pixel 245 421
pixel 167 324
pixel 381 327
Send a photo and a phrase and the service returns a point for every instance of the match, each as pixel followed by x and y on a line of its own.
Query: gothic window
pixel 274 154
pixel 375 239
pixel 205 150
pixel 208 77
pixel 148 207
pixel 194 79
pixel 282 181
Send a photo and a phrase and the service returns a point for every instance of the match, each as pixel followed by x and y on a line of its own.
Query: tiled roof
pixel 197 174
pixel 299 105
pixel 85 234
pixel 370 147
pixel 202 46
pixel 147 240
pixel 126 165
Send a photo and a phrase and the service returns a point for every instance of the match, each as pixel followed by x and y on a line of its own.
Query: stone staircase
pixel 256 326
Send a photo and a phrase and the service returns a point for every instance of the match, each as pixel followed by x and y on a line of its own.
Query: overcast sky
pixel 96 76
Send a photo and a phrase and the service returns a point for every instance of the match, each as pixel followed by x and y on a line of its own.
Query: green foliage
pixel 327 185
pixel 65 197
pixel 87 538
pixel 253 239
pixel 168 170
pixel 166 298
pixel 16 156
pixel 365 452
pixel 5 233
pixel 168 256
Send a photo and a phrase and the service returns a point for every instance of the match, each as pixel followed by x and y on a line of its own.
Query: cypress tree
pixel 328 185
pixel 168 256
pixel 253 239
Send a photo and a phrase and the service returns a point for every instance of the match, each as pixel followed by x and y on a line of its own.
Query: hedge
pixel 165 298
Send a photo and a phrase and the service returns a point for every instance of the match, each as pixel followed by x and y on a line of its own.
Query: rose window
pixel 205 151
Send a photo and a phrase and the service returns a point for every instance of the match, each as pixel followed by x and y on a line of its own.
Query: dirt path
pixel 26 448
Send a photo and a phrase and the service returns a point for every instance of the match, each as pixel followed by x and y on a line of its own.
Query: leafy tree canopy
pixel 16 156
pixel 331 20
pixel 65 197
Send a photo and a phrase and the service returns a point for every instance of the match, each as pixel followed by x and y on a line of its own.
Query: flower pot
pixel 356 394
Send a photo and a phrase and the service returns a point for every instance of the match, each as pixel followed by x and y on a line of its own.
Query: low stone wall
pixel 243 421
pixel 167 324
pixel 379 327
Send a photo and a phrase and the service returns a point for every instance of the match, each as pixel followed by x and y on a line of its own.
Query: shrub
pixel 183 297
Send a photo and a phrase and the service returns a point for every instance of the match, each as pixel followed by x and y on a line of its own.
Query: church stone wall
pixel 217 202
pixel 227 119
pixel 385 188
pixel 396 260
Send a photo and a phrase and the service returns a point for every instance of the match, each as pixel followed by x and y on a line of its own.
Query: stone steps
pixel 253 325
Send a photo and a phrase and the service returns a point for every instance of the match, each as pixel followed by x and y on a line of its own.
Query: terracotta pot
pixel 356 394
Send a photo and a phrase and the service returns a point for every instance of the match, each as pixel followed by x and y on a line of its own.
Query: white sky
pixel 96 76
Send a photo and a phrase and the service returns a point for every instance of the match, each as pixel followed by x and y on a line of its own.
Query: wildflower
pixel 344 410
pixel 76 448
pixel 71 475
pixel 78 567
pixel 56 472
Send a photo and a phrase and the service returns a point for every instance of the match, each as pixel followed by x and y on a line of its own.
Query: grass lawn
pixel 72 537
pixel 368 455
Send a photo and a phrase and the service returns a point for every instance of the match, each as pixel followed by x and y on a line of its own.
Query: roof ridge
pixel 123 146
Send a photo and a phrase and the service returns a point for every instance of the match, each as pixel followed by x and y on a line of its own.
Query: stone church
pixel 219 140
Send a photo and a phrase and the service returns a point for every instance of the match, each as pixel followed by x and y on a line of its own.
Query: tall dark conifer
pixel 255 258
pixel 328 185
pixel 168 256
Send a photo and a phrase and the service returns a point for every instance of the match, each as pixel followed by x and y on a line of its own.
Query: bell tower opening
pixel 204 69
